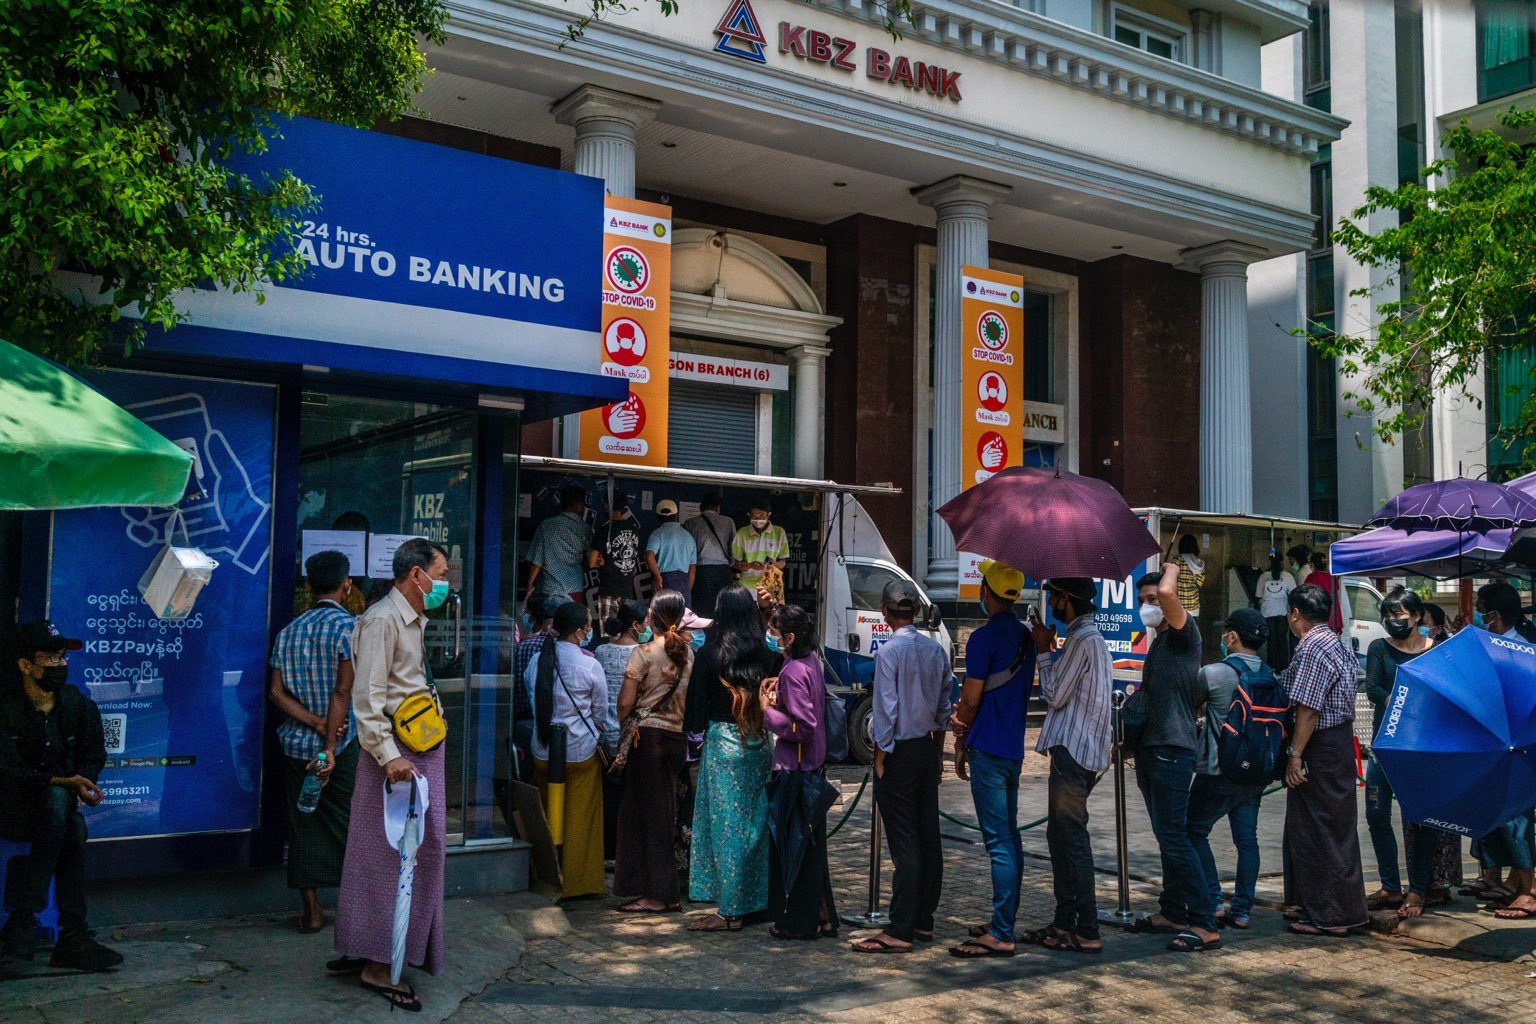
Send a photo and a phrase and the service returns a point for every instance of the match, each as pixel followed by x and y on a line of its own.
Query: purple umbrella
pixel 1470 506
pixel 1048 523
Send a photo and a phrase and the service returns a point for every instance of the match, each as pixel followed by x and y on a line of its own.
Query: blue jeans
pixel 1378 818
pixel 1212 799
pixel 1164 775
pixel 995 789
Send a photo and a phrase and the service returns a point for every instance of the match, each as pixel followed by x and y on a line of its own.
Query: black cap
pixel 1249 625
pixel 1080 587
pixel 32 637
pixel 899 596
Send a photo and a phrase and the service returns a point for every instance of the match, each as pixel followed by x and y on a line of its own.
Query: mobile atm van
pixel 838 565
pixel 1234 551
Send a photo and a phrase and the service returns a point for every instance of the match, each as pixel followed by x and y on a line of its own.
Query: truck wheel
pixel 861 734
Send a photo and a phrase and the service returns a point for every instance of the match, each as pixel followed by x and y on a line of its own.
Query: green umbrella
pixel 64 445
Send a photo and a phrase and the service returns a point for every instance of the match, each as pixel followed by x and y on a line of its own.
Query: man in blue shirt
pixel 911 708
pixel 671 553
pixel 989 747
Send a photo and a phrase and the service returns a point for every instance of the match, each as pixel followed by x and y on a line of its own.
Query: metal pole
pixel 873 917
pixel 1121 916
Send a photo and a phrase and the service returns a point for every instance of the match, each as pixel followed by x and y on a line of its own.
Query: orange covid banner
pixel 637 334
pixel 991 386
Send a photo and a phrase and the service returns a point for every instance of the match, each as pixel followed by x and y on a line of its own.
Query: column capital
pixel 961 189
pixel 593 101
pixel 1222 258
pixel 802 353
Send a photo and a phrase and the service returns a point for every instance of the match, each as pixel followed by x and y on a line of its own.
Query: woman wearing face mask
pixel 729 854
pixel 629 631
pixel 651 702
pixel 793 710
pixel 568 688
pixel 1402 613
pixel 1274 588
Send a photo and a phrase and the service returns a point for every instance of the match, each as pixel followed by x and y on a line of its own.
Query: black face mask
pixel 1398 629
pixel 54 677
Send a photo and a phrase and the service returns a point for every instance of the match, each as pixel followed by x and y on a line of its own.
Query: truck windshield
pixel 867 583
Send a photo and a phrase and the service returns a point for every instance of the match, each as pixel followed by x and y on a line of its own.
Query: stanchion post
pixel 1121 916
pixel 873 917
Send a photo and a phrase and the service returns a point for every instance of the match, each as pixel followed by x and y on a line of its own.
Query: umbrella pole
pixel 873 917
pixel 1121 916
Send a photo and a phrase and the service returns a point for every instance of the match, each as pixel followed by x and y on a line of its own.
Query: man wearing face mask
pixel 1165 760
pixel 390 668
pixel 51 753
pixel 758 545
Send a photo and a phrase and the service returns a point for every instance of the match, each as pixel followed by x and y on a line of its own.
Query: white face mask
pixel 760 524
pixel 1151 616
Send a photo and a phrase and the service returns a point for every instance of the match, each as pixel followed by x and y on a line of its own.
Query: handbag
pixel 603 759
pixel 629 731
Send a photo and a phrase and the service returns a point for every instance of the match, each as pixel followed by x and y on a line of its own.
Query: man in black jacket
pixel 51 753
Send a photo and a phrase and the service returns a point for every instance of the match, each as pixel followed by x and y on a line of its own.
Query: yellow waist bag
pixel 419 723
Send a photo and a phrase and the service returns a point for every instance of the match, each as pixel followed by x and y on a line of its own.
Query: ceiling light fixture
pixel 669 145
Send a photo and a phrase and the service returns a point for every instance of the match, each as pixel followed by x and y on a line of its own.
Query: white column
pixel 605 123
pixel 810 404
pixel 1226 429
pixel 964 209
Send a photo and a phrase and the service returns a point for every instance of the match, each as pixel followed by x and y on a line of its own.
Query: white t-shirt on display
pixel 1274 592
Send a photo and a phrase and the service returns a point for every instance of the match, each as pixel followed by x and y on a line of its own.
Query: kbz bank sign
pixel 740 34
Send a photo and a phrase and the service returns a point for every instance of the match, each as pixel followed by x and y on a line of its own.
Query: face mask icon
pixel 625 341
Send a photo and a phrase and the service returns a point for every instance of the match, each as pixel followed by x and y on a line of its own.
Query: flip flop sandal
pixel 1384 900
pixel 305 929
pixel 1236 922
pixel 1143 925
pixel 346 965
pixel 1473 888
pixel 728 924
pixel 1291 913
pixel 1311 930
pixel 405 1000
pixel 633 907
pixel 971 949
pixel 976 931
pixel 923 936
pixel 1057 942
pixel 1192 943
pixel 874 945
pixel 828 931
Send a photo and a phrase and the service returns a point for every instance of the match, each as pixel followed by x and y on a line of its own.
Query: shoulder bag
pixel 629 731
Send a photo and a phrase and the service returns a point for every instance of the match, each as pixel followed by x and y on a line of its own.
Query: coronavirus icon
pixel 625 419
pixel 625 342
pixel 627 269
pixel 992 451
pixel 992 330
pixel 992 392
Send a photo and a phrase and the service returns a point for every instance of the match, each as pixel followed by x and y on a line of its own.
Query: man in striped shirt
pixel 1075 684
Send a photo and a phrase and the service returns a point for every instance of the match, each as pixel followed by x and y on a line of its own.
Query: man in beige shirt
pixel 390 664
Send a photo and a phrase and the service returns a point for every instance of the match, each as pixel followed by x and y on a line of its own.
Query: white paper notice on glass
pixel 381 553
pixel 352 543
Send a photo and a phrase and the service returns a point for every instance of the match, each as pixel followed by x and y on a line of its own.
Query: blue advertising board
pixel 424 262
pixel 181 701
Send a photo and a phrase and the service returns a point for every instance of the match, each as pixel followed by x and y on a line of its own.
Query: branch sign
pixel 992 386
pixel 636 346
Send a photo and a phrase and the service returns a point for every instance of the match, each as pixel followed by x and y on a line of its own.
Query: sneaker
pixel 20 936
pixel 81 951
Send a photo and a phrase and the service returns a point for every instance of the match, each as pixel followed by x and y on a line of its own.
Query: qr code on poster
pixel 115 729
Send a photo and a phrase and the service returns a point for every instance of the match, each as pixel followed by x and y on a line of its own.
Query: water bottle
pixel 309 796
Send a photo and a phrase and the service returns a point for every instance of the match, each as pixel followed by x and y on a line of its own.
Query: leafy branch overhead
pixel 1460 284
pixel 117 118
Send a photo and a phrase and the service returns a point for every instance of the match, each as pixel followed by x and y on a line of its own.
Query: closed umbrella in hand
pixel 1458 742
pixel 1049 523
pixel 405 808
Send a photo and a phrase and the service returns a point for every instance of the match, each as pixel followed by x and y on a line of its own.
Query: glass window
pixel 866 583
pixel 1322 203
pixel 1318 43
pixel 1320 299
pixel 1158 38
pixel 1364 603
pixel 1506 41
pixel 1511 381
pixel 1039 348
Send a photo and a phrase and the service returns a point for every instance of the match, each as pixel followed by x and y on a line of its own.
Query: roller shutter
pixel 712 428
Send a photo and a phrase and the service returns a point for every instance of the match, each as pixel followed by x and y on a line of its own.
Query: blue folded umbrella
pixel 1458 742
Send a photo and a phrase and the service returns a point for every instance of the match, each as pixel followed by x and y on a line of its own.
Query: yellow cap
pixel 1003 580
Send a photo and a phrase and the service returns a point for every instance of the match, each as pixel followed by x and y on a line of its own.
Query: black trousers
pixel 908 797
pixel 57 834
pixel 708 581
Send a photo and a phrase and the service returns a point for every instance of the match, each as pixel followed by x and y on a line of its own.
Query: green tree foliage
pixel 117 121
pixel 1461 276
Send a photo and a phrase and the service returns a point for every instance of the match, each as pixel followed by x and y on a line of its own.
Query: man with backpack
pixel 1243 734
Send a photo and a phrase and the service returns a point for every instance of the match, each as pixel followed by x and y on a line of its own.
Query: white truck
pixel 839 562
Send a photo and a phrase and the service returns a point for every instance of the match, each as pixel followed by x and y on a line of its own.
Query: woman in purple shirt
pixel 799 895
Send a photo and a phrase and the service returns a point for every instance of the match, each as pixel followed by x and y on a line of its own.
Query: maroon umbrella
pixel 1048 523
pixel 1470 506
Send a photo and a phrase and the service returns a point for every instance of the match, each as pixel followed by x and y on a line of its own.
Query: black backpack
pixel 1250 748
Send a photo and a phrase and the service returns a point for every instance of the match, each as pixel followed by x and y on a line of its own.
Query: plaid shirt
pixel 307 652
pixel 1323 677
pixel 527 650
pixel 559 549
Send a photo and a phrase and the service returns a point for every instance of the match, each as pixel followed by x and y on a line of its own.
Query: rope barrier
pixel 849 813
